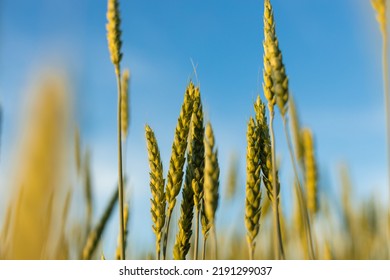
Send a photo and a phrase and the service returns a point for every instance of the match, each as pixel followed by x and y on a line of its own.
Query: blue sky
pixel 331 50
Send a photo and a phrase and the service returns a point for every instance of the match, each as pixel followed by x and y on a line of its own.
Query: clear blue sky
pixel 331 49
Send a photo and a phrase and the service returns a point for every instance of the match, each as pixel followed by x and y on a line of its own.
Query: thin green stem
pixel 387 112
pixel 214 233
pixel 120 172
pixel 278 243
pixel 165 241
pixel 158 246
pixel 204 248
pixel 251 251
pixel 196 235
pixel 309 233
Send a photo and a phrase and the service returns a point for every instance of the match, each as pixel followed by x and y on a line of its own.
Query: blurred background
pixel 332 53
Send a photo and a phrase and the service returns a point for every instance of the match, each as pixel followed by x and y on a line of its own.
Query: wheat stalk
pixel 380 7
pixel 253 192
pixel 88 189
pixel 94 236
pixel 296 130
pixel 114 46
pixel 158 201
pixel 126 217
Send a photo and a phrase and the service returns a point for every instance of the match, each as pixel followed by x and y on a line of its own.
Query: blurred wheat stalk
pixel 35 210
pixel 380 7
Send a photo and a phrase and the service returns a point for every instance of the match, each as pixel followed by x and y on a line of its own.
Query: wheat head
pixel 158 201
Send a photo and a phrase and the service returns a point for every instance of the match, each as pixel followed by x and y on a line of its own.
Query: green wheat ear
pixel 182 242
pixel 265 149
pixel 253 193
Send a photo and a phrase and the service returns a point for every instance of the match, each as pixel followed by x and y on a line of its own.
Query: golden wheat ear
pixel 176 163
pixel 311 173
pixel 211 182
pixel 158 201
pixel 125 114
pixel 114 33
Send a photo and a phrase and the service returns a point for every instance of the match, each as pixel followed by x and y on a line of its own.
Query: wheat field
pixel 271 200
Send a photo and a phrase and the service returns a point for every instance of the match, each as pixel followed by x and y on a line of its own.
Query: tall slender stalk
pixel 120 173
pixel 380 6
pixel 114 46
pixel 165 240
pixel 301 197
pixel 196 244
pixel 204 249
pixel 387 109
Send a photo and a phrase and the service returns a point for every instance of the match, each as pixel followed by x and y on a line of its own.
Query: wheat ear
pixel 197 147
pixel 253 192
pixel 182 242
pixel 176 164
pixel 125 117
pixel 311 173
pixel 158 201
pixel 211 181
